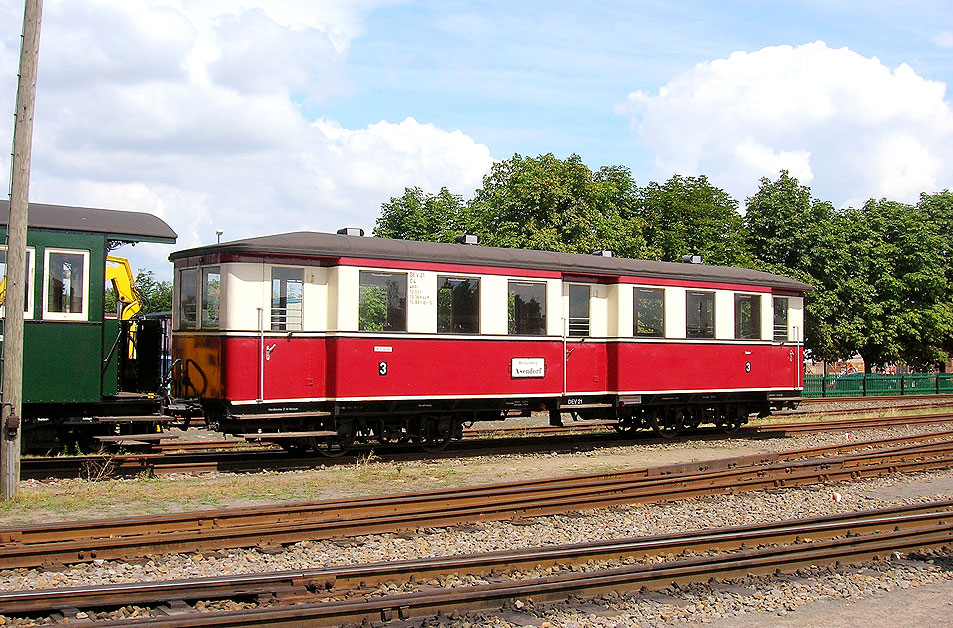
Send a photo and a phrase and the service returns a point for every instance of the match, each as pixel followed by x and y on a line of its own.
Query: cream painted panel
pixel 599 311
pixel 242 295
pixel 494 291
pixel 315 306
pixel 554 307
pixel 345 282
pixel 619 305
pixel 796 319
pixel 422 302
pixel 724 315
pixel 675 312
pixel 767 317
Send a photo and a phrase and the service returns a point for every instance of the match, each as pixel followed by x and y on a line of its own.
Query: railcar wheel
pixel 735 417
pixel 334 446
pixel 627 424
pixel 435 433
pixel 668 426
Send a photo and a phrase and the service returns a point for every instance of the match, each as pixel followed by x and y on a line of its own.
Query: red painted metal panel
pixel 440 367
pixel 388 367
pixel 704 366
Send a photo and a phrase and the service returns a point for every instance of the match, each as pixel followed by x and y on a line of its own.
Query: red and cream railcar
pixel 316 339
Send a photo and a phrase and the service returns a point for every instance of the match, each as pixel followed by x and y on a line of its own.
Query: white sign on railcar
pixel 528 367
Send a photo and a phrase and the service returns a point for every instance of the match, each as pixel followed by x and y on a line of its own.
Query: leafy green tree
pixel 893 292
pixel 689 216
pixel 546 203
pixel 420 216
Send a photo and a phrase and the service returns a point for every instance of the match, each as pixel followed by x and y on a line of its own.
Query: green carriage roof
pixel 121 226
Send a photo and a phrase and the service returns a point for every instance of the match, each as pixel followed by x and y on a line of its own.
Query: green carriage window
pixel 211 296
pixel 748 316
pixel 67 284
pixel 649 313
pixel 27 281
pixel 458 305
pixel 382 301
pixel 527 308
pixel 287 293
pixel 188 297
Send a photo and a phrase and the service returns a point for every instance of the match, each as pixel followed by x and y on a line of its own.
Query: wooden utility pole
pixel 16 251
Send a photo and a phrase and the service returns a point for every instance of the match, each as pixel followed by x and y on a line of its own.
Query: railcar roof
pixel 121 226
pixel 328 245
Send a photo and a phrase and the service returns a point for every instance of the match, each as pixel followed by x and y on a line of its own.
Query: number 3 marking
pixel 382 368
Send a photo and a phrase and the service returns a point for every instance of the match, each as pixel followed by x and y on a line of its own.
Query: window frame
pixel 512 328
pixel 787 319
pixel 180 322
pixel 405 279
pixel 30 287
pixel 203 297
pixel 83 314
pixel 756 304
pixel 635 311
pixel 581 330
pixel 281 322
pixel 710 295
pixel 449 317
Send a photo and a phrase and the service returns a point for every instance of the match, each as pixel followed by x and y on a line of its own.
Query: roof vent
pixel 692 259
pixel 467 238
pixel 604 253
pixel 351 231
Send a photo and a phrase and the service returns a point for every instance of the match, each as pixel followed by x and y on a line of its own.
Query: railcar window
pixel 649 313
pixel 188 297
pixel 578 310
pixel 458 305
pixel 287 292
pixel 527 308
pixel 27 281
pixel 780 319
pixel 211 295
pixel 700 314
pixel 67 284
pixel 748 316
pixel 382 302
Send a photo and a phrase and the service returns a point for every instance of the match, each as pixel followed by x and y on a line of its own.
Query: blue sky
pixel 260 117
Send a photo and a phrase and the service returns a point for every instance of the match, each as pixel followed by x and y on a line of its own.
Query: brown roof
pixel 328 245
pixel 116 225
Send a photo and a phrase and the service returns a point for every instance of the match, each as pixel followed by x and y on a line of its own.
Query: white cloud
pixel 192 109
pixel 944 40
pixel 846 124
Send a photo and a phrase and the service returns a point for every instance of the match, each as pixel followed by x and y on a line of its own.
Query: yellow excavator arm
pixel 120 274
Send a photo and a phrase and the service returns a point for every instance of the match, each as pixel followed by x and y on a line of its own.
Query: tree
pixel 420 216
pixel 689 216
pixel 791 233
pixel 550 204
pixel 893 293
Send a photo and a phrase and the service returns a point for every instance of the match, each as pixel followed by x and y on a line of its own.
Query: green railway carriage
pixel 74 352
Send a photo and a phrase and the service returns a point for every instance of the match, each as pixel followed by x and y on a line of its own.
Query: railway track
pixel 598 435
pixel 74 542
pixel 330 596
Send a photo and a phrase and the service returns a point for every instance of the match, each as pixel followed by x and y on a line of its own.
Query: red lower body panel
pixel 354 368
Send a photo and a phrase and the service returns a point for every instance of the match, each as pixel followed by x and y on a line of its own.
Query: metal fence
pixel 861 385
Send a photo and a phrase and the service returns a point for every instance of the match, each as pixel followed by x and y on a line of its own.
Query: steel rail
pixel 765 560
pixel 296 585
pixel 84 541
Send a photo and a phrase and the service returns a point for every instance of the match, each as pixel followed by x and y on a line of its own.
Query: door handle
pixel 268 351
